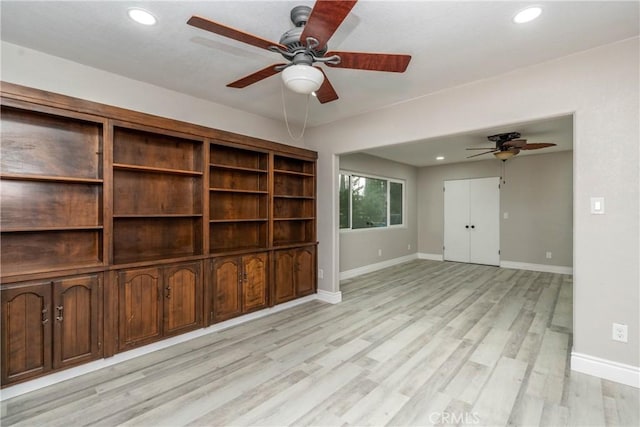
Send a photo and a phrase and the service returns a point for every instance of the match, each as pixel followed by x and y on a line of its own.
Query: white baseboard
pixel 57 377
pixel 348 274
pixel 558 269
pixel 607 369
pixel 432 257
pixel 330 297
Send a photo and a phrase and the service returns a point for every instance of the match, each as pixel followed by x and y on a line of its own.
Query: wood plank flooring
pixel 420 343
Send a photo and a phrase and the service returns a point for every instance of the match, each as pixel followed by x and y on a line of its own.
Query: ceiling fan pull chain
pixel 286 119
pixel 504 172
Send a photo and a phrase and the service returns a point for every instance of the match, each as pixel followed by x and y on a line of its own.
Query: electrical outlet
pixel 409 247
pixel 379 252
pixel 548 255
pixel 619 332
pixel 505 215
pixel 320 273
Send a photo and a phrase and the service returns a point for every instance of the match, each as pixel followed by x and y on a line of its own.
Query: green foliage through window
pixel 367 202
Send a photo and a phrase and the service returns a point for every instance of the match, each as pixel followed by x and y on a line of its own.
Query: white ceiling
pixel 557 130
pixel 451 43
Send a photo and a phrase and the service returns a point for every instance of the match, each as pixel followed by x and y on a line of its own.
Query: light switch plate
pixel 597 205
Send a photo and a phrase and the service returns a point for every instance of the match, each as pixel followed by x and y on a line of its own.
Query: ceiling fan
pixel 508 145
pixel 305 45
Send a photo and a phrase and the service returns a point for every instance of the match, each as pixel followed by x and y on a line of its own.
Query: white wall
pixel 35 69
pixel 359 248
pixel 601 88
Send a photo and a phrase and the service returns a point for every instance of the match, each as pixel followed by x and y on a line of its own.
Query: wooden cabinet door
pixel 304 269
pixel 254 282
pixel 226 298
pixel 139 306
pixel 284 286
pixel 76 316
pixel 182 298
pixel 26 331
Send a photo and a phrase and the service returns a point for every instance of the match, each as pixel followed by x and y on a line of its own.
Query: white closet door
pixel 456 220
pixel 484 221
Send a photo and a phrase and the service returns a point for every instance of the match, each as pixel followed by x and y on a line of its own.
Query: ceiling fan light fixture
pixel 303 79
pixel 527 15
pixel 504 155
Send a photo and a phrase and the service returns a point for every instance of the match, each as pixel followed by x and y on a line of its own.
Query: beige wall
pixel 35 69
pixel 359 248
pixel 537 195
pixel 601 88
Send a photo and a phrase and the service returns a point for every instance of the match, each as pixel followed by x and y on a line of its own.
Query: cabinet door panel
pixel 26 331
pixel 226 289
pixel 304 270
pixel 139 306
pixel 254 285
pixel 76 318
pixel 283 276
pixel 182 298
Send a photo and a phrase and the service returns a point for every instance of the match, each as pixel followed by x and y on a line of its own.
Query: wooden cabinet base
pixel 293 273
pixel 157 302
pixel 50 325
pixel 237 285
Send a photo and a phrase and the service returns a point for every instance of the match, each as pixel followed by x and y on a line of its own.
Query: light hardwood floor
pixel 416 344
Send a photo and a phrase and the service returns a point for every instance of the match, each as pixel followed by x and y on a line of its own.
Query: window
pixel 370 202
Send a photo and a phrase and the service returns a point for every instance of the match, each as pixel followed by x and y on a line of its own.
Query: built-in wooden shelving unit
pixel 143 227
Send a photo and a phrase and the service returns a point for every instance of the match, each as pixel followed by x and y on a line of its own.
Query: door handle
pixel 44 317
pixel 466 226
pixel 473 226
pixel 59 316
pixel 168 294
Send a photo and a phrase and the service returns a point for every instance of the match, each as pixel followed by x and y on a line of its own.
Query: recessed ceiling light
pixel 440 158
pixel 527 15
pixel 142 16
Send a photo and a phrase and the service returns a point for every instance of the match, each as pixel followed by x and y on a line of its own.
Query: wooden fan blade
pixel 372 61
pixel 326 93
pixel 482 154
pixel 325 18
pixel 536 146
pixel 255 77
pixel 519 143
pixel 232 33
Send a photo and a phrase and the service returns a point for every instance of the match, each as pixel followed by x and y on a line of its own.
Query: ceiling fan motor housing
pixel 291 38
pixel 504 137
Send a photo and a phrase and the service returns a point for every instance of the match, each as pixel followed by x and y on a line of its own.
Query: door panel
pixel 140 306
pixel 456 220
pixel 26 331
pixel 76 318
pixel 182 298
pixel 226 288
pixel 304 270
pixel 254 284
pixel 484 208
pixel 283 276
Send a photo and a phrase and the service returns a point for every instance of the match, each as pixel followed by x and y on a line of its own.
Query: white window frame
pixel 384 178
